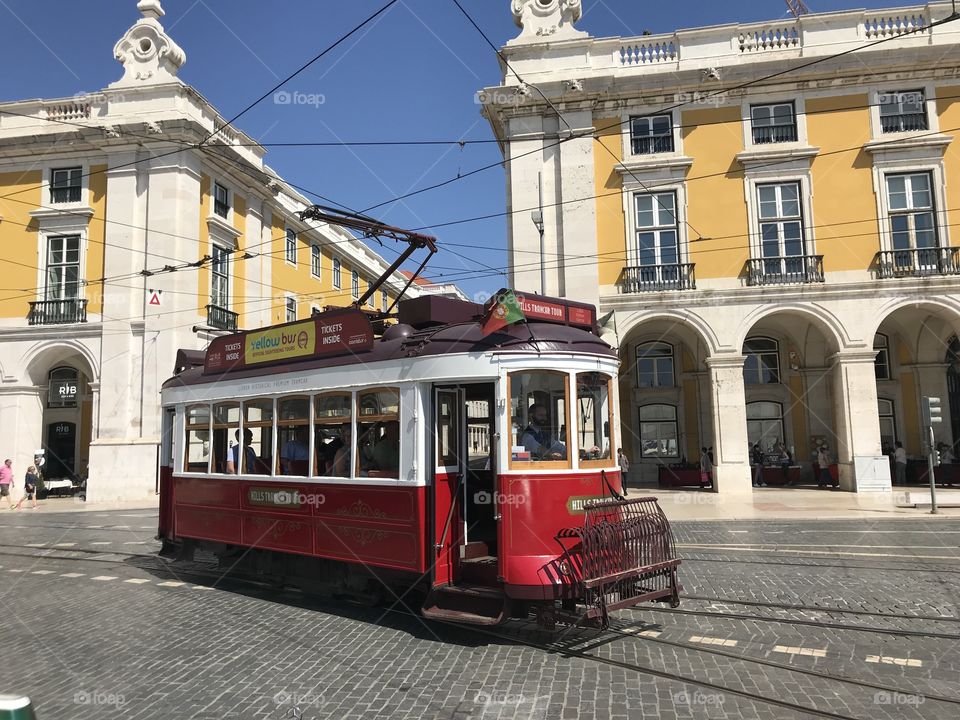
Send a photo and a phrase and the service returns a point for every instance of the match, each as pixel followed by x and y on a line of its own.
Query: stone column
pixel 578 220
pixel 863 468
pixel 730 446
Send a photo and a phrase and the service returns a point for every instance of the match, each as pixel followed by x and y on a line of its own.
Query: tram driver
pixel 538 439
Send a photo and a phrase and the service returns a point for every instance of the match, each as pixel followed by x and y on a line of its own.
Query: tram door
pixel 465 526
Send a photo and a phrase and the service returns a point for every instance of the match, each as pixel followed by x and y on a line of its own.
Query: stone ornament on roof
pixel 547 20
pixel 148 54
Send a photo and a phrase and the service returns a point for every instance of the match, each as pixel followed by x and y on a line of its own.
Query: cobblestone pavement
pixel 852 619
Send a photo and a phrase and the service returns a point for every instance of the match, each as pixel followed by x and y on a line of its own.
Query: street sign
pixel 931 410
pixel 154 296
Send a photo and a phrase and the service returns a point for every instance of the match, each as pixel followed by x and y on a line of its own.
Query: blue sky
pixel 411 75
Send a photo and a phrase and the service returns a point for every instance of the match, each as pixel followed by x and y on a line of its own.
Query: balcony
pixel 57 312
pixel 789 270
pixel 923 262
pixel 767 134
pixel 221 318
pixel 655 278
pixel 652 145
pixel 907 122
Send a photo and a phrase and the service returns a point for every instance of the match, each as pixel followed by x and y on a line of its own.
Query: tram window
pixel 226 439
pixel 378 433
pixel 538 414
pixel 293 436
pixel 594 420
pixel 332 424
pixel 258 419
pixel 197 455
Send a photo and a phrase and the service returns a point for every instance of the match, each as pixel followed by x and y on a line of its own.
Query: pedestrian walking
pixel 706 468
pixel 900 463
pixel 30 481
pixel 783 455
pixel 6 481
pixel 756 459
pixel 624 463
pixel 823 460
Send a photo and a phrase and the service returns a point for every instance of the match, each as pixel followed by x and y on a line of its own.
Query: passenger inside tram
pixel 296 452
pixel 341 458
pixel 386 452
pixel 539 439
pixel 249 456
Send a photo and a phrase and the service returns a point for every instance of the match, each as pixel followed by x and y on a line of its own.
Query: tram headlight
pixel 564 568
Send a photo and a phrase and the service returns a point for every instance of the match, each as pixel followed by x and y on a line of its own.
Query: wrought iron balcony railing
pixel 57 312
pixel 221 318
pixel 650 145
pixel 788 270
pixel 654 278
pixel 906 122
pixel 765 134
pixel 922 262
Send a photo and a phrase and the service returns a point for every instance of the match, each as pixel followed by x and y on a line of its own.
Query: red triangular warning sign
pixel 154 297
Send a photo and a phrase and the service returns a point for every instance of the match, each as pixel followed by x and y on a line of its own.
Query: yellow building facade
pixel 123 242
pixel 764 216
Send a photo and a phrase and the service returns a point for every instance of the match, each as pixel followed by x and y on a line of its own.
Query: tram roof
pixel 424 339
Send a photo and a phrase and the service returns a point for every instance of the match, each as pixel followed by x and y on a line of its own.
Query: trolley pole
pixel 931 414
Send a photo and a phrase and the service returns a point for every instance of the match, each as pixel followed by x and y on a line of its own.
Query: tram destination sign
pixel 335 332
pixel 537 307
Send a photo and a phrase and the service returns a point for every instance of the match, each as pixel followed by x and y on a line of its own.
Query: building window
pixel 654 365
pixel 65 185
pixel 765 424
pixel 888 425
pixel 776 123
pixel 355 285
pixel 910 203
pixel 291 306
pixel 63 268
pixel 221 200
pixel 384 300
pixel 63 388
pixel 762 364
pixel 650 135
pixel 658 431
pixel 220 288
pixel 902 111
pixel 881 364
pixel 657 229
pixel 336 274
pixel 781 228
pixel 315 260
pixel 291 247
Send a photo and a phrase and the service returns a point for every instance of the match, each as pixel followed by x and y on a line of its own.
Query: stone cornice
pixel 776 153
pixel 655 163
pixel 926 141
pixel 47 332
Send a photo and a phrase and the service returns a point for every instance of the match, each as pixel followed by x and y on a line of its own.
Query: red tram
pixel 478 470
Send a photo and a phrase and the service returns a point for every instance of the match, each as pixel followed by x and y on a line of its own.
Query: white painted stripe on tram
pixel 811 652
pixel 886 660
pixel 821 552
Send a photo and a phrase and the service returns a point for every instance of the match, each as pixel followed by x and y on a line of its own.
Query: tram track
pixel 808 565
pixel 818 608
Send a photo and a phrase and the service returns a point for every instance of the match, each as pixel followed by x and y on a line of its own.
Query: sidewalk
pixel 798 504
pixel 75 504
